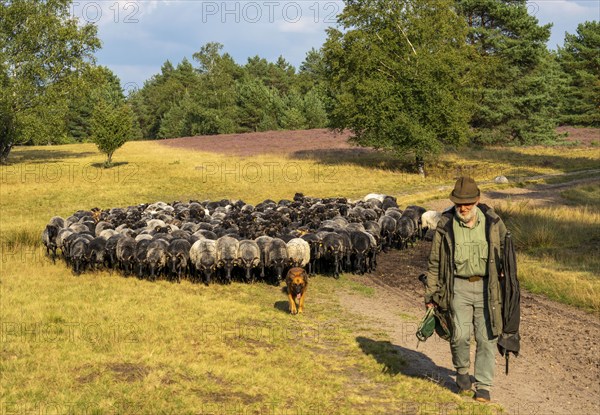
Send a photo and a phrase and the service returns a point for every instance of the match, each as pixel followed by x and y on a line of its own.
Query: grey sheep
pixel 263 243
pixel 203 257
pixel 276 257
pixel 248 257
pixel 156 257
pixel 178 254
pixel 227 249
pixel 125 251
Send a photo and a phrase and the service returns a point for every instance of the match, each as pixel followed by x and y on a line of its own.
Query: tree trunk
pixel 4 152
pixel 420 166
pixel 108 160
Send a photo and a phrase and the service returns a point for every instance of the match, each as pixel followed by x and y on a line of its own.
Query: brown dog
pixel 297 281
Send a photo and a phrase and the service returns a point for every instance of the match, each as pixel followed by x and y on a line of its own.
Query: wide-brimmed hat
pixel 465 191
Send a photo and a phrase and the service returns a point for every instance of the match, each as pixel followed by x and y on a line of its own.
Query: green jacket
pixel 440 273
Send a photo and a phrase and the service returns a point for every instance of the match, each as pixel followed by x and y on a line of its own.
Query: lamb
pixel 203 257
pixel 248 257
pixel 277 258
pixel 227 249
pixel 178 254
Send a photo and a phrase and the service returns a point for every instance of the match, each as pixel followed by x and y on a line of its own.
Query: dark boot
pixel 463 382
pixel 482 395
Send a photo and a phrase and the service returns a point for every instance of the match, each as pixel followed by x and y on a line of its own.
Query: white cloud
pixel 559 9
pixel 564 15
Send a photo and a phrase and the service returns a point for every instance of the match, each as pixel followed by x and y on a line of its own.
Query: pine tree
pixel 580 59
pixel 516 99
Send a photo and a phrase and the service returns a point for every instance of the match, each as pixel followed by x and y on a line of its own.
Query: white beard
pixel 468 217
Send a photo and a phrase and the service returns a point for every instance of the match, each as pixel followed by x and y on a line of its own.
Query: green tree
pixel 93 81
pixel 161 93
pixel 397 75
pixel 111 125
pixel 312 73
pixel 217 91
pixel 258 105
pixel 314 110
pixel 42 51
pixel 516 98
pixel 580 59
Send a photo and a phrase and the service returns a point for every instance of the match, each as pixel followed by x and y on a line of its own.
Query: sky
pixel 138 36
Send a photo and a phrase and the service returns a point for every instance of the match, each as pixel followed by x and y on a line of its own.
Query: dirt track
pixel 557 371
pixel 559 366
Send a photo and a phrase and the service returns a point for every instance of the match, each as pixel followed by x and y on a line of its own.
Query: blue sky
pixel 139 36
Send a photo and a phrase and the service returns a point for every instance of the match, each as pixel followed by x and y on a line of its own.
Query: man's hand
pixel 429 305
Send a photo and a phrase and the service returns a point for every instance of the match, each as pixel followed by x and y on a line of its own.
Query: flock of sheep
pixel 226 240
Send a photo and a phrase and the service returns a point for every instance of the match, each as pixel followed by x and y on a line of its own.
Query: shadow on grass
pixel 115 164
pixel 482 162
pixel 363 157
pixel 525 163
pixel 45 156
pixel 396 359
pixel 282 306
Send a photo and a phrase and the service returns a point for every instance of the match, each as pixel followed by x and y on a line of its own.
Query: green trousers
pixel 471 314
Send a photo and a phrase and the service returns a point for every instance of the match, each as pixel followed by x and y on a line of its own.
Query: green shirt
pixel 470 247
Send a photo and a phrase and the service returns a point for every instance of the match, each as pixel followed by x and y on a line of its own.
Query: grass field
pixel 101 343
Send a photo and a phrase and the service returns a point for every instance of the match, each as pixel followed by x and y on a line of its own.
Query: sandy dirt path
pixel 558 370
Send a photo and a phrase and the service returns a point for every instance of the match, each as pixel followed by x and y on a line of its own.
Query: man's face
pixel 465 212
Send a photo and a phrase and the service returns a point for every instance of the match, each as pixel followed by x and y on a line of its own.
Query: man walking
pixel 463 279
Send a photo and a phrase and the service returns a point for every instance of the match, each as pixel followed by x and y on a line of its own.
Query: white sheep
pixel 430 219
pixel 298 252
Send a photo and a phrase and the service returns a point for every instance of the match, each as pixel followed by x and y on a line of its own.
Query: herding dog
pixel 296 281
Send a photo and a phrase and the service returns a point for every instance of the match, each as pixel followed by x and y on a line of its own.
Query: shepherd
pixel 465 280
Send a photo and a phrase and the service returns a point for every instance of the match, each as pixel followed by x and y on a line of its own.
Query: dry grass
pixel 101 343
pixel 560 247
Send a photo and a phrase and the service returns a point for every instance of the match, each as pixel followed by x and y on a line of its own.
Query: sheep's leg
pixel 336 272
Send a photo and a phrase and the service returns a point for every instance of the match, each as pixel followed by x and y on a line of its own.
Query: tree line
pixel 409 76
